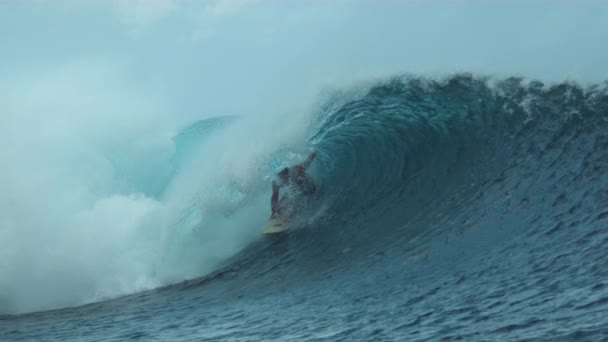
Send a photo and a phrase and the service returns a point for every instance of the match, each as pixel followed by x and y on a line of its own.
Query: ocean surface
pixel 464 208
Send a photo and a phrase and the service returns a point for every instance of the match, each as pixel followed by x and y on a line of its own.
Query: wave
pixel 414 163
pixel 408 144
pixel 402 167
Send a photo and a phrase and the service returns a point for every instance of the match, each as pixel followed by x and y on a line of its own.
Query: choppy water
pixel 457 209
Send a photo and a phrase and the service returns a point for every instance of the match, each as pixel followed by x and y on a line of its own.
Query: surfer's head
pixel 284 174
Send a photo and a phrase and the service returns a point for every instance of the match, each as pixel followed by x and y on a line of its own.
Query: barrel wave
pixel 464 207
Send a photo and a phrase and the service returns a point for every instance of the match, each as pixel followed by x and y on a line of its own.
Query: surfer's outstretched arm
pixel 308 160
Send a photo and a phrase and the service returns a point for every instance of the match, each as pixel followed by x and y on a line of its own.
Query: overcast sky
pixel 242 57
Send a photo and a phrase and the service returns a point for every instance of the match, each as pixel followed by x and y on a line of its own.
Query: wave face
pixel 457 208
pixel 413 147
pixel 407 144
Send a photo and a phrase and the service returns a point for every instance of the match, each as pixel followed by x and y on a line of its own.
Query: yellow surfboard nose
pixel 275 225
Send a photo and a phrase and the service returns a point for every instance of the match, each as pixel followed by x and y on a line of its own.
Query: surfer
pixel 300 185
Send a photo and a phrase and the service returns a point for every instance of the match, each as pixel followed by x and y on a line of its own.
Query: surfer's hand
pixel 308 160
pixel 311 157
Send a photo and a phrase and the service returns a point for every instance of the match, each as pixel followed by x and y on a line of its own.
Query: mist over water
pixel 93 202
pixel 99 206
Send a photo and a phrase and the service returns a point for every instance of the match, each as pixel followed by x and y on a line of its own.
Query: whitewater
pixel 453 205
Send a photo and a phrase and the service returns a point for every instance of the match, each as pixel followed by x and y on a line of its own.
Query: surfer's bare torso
pixel 298 183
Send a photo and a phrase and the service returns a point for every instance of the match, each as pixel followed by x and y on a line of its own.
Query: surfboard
pixel 275 225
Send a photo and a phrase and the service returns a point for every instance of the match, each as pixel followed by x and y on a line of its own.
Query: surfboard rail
pixel 275 225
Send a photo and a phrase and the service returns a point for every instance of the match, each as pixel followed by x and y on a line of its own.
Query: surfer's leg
pixel 274 204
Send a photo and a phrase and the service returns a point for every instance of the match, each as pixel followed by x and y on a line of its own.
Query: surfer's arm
pixel 308 160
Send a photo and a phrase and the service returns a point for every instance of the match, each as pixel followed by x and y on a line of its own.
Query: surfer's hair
pixel 284 172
